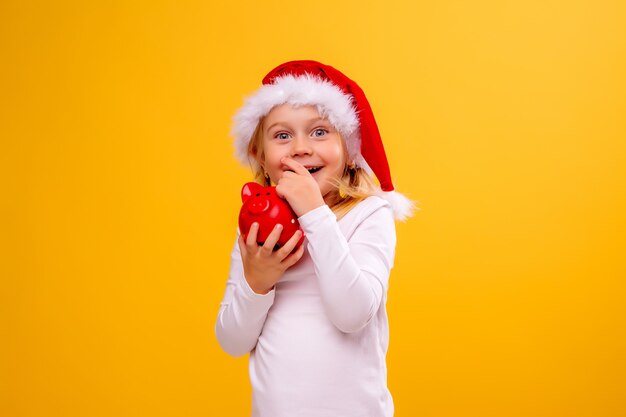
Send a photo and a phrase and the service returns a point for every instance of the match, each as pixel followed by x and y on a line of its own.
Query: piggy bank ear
pixel 249 189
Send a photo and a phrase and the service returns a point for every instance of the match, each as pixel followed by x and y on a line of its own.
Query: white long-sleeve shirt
pixel 318 340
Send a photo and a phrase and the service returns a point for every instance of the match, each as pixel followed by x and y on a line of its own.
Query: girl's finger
pixel 289 245
pixel 295 165
pixel 252 234
pixel 294 257
pixel 279 190
pixel 270 242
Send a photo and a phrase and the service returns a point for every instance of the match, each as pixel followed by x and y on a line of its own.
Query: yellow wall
pixel 120 195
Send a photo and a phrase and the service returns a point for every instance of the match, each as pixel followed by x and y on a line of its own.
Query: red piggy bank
pixel 262 205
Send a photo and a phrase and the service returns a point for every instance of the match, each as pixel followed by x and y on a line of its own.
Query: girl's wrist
pixel 258 289
pixel 312 216
pixel 262 291
pixel 310 207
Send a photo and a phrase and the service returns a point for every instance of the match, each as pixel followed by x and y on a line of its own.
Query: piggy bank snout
pixel 258 205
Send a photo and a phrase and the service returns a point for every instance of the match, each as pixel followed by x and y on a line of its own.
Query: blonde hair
pixel 353 186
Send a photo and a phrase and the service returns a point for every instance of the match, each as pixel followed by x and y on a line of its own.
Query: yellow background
pixel 120 194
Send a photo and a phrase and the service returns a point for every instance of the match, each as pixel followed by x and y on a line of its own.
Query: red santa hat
pixel 337 98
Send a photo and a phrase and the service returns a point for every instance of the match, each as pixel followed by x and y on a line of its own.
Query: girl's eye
pixel 282 136
pixel 320 132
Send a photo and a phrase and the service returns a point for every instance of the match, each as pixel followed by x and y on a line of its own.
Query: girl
pixel 314 321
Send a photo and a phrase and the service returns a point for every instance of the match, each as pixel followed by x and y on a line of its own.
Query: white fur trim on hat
pixel 402 207
pixel 306 89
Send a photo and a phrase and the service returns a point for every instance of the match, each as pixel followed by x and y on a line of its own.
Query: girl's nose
pixel 300 146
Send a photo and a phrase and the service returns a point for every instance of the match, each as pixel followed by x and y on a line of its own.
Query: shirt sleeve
pixel 353 275
pixel 242 311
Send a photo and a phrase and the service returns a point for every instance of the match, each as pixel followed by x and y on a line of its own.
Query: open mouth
pixel 314 169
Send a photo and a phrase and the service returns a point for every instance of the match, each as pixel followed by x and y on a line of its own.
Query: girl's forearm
pixel 242 312
pixel 352 275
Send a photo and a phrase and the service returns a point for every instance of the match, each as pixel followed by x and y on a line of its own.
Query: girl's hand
pixel 261 265
pixel 299 188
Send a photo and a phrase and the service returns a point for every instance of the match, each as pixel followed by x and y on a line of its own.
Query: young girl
pixel 314 320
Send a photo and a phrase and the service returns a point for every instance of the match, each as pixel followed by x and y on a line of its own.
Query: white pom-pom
pixel 402 207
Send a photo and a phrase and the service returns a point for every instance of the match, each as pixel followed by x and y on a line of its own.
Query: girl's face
pixel 301 134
